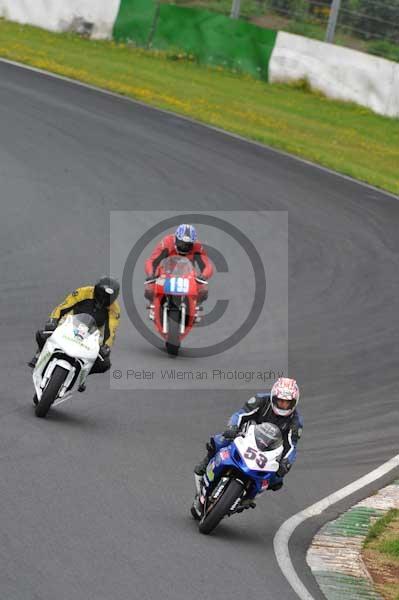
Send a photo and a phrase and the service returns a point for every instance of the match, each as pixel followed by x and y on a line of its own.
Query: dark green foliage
pixel 378 19
pixel 385 49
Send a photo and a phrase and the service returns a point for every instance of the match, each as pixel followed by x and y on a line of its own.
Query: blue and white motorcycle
pixel 237 473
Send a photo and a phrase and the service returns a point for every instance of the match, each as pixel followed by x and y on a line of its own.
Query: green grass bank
pixel 381 554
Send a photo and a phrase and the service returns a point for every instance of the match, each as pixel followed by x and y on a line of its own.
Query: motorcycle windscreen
pixel 179 266
pixel 83 325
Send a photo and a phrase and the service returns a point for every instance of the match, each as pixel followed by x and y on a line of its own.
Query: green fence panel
pixel 215 39
pixel 134 21
pixel 211 38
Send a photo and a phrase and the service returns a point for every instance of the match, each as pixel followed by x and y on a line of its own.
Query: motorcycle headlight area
pixel 81 331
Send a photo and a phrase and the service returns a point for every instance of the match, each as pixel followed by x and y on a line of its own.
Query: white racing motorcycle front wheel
pixel 51 391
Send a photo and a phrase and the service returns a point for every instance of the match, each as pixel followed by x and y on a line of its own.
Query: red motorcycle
pixel 174 308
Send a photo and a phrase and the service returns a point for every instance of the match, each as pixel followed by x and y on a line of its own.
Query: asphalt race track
pixel 95 499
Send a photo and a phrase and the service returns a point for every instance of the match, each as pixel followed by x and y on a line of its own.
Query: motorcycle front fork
pixel 197 316
pixel 183 313
pixel 151 313
pixel 199 484
pixel 198 479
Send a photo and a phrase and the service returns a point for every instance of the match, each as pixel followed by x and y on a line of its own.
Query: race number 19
pixel 179 285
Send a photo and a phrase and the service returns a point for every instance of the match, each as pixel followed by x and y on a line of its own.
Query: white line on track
pixel 191 120
pixel 283 535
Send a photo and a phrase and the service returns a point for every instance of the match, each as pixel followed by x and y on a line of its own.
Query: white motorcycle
pixel 65 361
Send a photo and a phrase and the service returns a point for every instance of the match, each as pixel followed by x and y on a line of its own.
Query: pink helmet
pixel 284 396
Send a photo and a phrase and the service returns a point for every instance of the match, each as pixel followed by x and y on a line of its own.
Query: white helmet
pixel 284 396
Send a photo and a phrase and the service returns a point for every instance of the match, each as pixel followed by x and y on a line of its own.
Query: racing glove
pixel 231 432
pixel 150 279
pixel 284 467
pixel 105 351
pixel 51 325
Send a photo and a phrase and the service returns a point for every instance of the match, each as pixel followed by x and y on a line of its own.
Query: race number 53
pixel 252 454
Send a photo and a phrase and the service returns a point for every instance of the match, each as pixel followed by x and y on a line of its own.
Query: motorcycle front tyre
pixel 51 391
pixel 172 344
pixel 221 507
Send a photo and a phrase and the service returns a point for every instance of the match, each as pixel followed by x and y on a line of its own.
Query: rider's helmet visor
pixel 184 247
pixel 284 404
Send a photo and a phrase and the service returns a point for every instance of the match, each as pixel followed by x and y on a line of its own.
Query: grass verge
pixel 380 525
pixel 381 554
pixel 342 136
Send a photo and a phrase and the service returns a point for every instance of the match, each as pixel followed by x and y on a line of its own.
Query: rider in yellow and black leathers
pixel 99 301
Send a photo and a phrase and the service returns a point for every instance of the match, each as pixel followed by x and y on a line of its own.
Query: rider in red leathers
pixel 184 242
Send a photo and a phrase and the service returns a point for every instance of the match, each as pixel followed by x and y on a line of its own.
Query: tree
pixel 290 7
pixel 379 19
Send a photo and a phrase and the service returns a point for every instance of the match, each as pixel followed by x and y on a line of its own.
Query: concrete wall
pixel 63 15
pixel 338 72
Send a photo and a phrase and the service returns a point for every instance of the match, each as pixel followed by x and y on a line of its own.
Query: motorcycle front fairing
pixel 74 346
pixel 231 459
pixel 177 286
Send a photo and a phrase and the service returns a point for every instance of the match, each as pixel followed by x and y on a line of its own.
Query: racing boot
pixel 196 508
pixel 276 486
pixel 32 363
pixel 247 503
pixel 199 309
pixel 201 467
